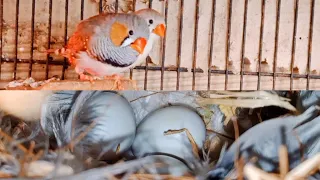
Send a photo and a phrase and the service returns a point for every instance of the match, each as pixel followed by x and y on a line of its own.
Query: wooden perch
pixel 79 85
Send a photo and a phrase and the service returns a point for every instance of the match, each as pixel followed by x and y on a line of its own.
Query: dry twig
pixel 304 169
pixel 284 161
pixel 254 173
pixel 193 143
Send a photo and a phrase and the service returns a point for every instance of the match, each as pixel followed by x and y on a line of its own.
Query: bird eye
pixel 130 32
pixel 151 21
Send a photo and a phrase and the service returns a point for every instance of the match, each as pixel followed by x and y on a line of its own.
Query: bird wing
pixel 94 39
pixel 102 49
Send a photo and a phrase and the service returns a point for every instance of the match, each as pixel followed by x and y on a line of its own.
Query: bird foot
pixel 84 77
pixel 118 82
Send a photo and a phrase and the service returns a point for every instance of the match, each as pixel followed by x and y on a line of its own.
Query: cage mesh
pixel 210 44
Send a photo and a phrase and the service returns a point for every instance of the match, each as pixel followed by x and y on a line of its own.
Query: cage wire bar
pixel 1 32
pixel 245 17
pixel 179 43
pixel 263 10
pixel 162 68
pixel 211 36
pixel 228 44
pixel 293 49
pixel 310 41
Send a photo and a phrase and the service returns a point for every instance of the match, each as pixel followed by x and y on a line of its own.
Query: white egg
pixel 151 136
pixel 114 129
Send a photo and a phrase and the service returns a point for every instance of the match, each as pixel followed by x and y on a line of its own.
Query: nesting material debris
pixel 44 168
pixel 254 99
pixel 28 84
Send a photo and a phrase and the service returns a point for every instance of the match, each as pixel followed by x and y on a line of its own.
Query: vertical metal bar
pixel 181 10
pixel 293 49
pixel 263 9
pixel 164 46
pixel 65 37
pixel 81 17
pixel 133 9
pixel 243 46
pixel 275 55
pixel 147 60
pixel 82 10
pixel 195 45
pixel 32 36
pixel 211 35
pixel 312 9
pixel 1 29
pixel 228 43
pixel 117 6
pixel 49 38
pixel 100 6
pixel 16 40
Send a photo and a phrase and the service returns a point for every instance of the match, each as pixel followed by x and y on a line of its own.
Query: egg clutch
pixel 113 130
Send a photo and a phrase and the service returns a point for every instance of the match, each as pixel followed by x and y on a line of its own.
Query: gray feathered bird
pixel 106 44
pixel 157 28
pixel 264 140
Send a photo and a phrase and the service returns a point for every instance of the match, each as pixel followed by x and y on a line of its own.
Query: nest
pixel 25 157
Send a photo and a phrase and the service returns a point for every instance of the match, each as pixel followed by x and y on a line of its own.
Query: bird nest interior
pixel 209 44
pixel 252 135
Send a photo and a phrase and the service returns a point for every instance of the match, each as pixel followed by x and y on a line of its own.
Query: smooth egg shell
pixel 150 135
pixel 115 124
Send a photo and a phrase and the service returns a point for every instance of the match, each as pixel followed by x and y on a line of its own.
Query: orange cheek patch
pixel 118 33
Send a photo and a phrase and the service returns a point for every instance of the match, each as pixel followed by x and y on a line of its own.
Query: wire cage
pixel 209 44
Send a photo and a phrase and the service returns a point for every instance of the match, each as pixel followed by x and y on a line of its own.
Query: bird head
pixel 130 30
pixel 155 21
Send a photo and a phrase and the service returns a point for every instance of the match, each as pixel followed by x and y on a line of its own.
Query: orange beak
pixel 139 45
pixel 160 30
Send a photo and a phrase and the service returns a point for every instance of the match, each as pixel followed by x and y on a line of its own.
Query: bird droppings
pixel 247 65
pixel 265 66
pixel 314 72
pixel 215 67
pixel 295 70
pixel 231 66
pixel 264 62
pixel 246 61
